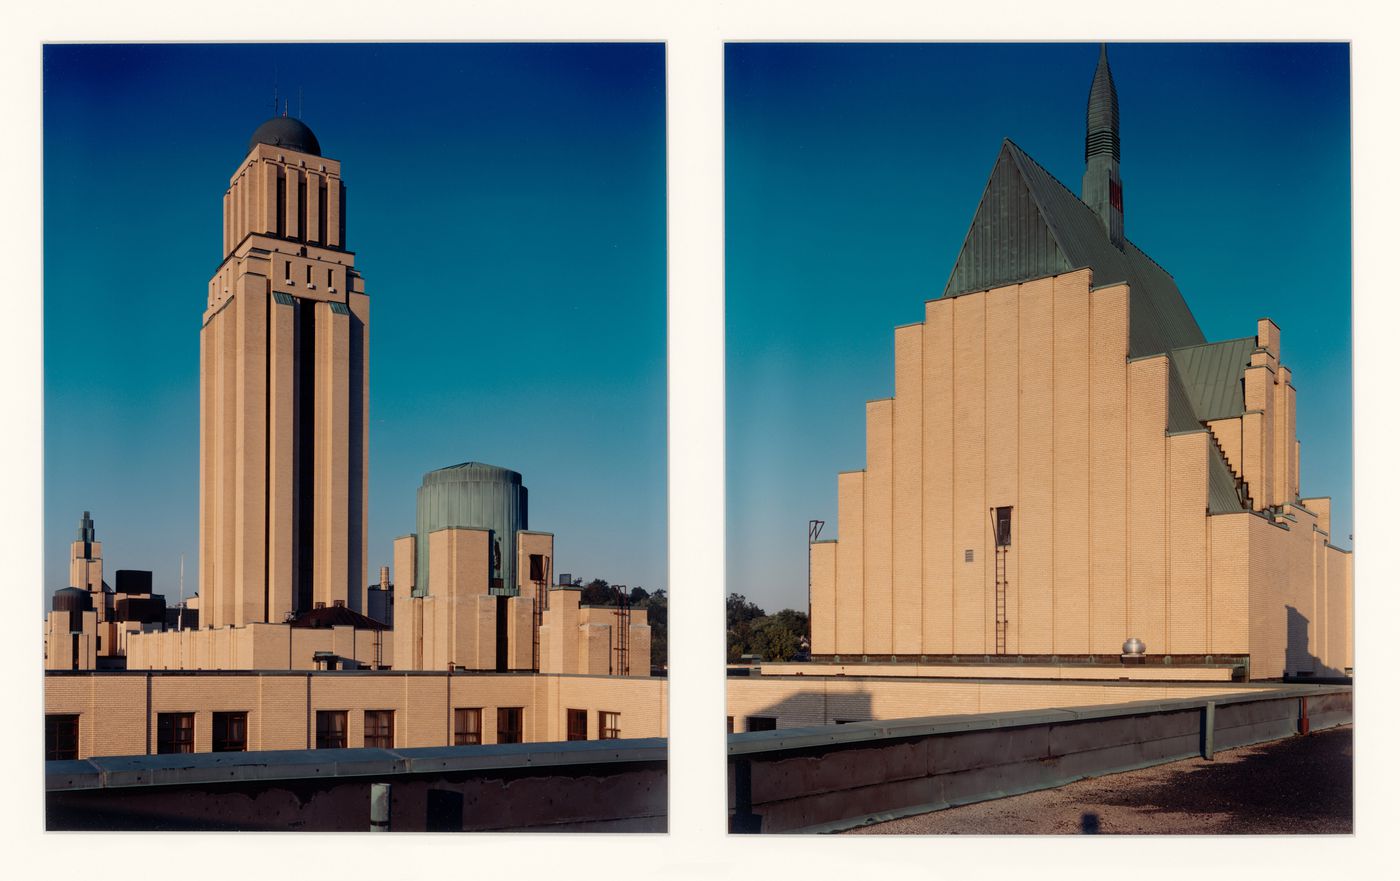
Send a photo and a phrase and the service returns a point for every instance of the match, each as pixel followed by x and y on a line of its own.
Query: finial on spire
pixel 1101 132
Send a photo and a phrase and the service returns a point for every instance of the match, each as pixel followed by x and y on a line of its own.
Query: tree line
pixel 781 636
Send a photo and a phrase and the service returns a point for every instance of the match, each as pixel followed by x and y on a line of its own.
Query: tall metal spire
pixel 1101 132
pixel 1103 189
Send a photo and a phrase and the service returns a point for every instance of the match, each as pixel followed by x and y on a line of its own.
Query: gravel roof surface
pixel 1297 785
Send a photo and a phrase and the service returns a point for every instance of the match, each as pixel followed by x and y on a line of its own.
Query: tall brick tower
pixel 284 378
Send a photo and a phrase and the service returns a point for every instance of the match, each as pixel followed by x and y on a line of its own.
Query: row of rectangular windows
pixel 175 731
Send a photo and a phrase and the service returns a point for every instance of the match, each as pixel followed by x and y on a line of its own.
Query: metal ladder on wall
pixel 622 633
pixel 1001 599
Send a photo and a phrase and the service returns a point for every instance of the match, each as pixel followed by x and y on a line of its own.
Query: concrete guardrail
pixel 599 785
pixel 833 777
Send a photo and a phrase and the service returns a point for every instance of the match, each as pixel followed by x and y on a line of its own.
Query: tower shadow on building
pixel 1301 663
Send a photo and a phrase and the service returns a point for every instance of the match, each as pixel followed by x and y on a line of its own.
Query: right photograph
pixel 1035 526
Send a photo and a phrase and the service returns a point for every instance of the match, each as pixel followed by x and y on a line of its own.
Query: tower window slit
pixel 281 204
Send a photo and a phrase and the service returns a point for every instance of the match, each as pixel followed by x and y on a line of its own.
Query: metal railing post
pixel 379 807
pixel 1208 732
pixel 744 819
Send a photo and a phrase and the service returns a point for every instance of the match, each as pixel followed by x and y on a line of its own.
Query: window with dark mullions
pixel 60 737
pixel 175 733
pixel 379 729
pixel 230 733
pixel 609 725
pixel 466 726
pixel 509 727
pixel 578 724
pixel 330 729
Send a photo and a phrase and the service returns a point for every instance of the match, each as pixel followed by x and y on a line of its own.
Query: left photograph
pixel 283 588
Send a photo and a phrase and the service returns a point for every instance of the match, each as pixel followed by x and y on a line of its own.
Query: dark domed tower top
pixel 1103 189
pixel 288 132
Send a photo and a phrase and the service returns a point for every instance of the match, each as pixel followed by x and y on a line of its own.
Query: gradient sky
pixel 507 207
pixel 852 174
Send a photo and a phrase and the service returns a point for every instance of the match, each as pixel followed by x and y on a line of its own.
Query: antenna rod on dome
pixel 300 114
pixel 285 101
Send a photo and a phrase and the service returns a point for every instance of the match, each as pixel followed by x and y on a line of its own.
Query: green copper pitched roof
pixel 1223 492
pixel 1213 374
pixel 1029 225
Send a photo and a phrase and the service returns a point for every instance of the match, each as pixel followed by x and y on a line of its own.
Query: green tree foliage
pixel 597 593
pixel 655 605
pixel 776 637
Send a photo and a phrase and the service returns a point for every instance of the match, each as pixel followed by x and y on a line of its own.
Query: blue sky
pixel 852 173
pixel 507 206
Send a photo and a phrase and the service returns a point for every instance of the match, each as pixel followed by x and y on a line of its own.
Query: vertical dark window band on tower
pixel 305 489
pixel 281 203
pixel 301 207
pixel 344 245
pixel 269 304
pixel 321 226
pixel 502 633
pixel 356 490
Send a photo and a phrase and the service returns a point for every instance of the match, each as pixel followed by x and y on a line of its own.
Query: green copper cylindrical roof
pixel 473 495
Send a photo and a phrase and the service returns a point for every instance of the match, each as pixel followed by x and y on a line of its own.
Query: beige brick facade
pixel 118 713
pixel 1025 396
pixel 456 627
pixel 814 699
pixel 283 399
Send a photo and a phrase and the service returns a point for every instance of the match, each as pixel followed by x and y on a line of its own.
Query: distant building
pixel 91 622
pixel 473 588
pixel 1067 462
pixel 469 644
